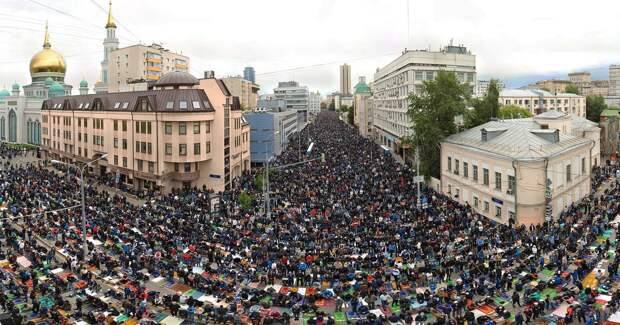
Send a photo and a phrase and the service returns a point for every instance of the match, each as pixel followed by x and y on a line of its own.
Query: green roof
pixel 57 89
pixel 362 87
pixel 49 81
pixel 4 93
pixel 15 86
pixel 611 112
pixel 83 84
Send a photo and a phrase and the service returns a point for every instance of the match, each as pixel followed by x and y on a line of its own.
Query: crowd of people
pixel 344 237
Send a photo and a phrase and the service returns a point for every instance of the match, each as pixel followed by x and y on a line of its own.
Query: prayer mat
pixel 486 309
pixel 500 301
pixel 340 317
pixel 179 287
pixel 549 292
pixel 395 309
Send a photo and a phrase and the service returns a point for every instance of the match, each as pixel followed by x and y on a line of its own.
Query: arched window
pixel 29 131
pixel 37 134
pixel 2 128
pixel 12 126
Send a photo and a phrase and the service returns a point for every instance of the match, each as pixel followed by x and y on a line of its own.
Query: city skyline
pixel 77 31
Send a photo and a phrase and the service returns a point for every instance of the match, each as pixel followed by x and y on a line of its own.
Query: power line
pixel 63 13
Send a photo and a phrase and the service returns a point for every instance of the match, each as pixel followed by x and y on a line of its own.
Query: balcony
pixel 181 66
pixel 151 77
pixel 153 68
pixel 153 60
pixel 183 177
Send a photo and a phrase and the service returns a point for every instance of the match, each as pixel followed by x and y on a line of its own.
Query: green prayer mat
pixel 340 316
pixel 189 293
pixel 306 317
pixel 547 272
pixel 551 293
pixel 395 309
pixel 500 301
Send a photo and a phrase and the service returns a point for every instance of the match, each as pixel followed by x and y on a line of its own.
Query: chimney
pixel 209 74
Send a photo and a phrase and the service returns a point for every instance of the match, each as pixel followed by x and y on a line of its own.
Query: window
pixel 117 105
pixel 208 148
pixel 456 166
pixel 183 104
pixel 511 185
pixel 182 149
pixel 137 146
pixel 124 144
pixel 182 128
pixel 475 172
pixel 169 105
pixel 208 127
pixel 115 125
pixel 115 142
pixel 486 206
pixel 151 167
pixel 450 163
pixel 196 127
pixel 196 104
pixel 168 128
pixel 196 148
pixel 583 166
pixel 465 170
pixel 125 105
pixel 476 202
pixel 187 167
pixel 125 162
pixel 176 167
pixel 498 212
pixel 140 164
pixel 498 181
pixel 168 149
pixel 568 173
pixel 124 126
pixel 485 176
pixel 143 147
pixel 115 160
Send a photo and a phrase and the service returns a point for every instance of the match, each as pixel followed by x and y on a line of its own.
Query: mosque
pixel 20 108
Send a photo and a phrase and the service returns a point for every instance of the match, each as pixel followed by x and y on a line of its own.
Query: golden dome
pixel 47 60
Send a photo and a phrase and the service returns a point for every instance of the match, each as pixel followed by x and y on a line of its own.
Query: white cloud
pixel 509 38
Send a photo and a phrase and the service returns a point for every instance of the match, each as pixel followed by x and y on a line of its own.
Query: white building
pixel 20 113
pixel 518 171
pixel 482 87
pixel 539 101
pixel 314 103
pixel 405 75
pixel 296 98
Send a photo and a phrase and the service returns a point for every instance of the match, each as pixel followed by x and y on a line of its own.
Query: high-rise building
pixel 110 44
pixel 614 80
pixel 249 74
pixel 314 103
pixel 246 90
pixel 182 133
pixel 483 87
pixel 20 113
pixel 142 63
pixel 345 79
pixel 405 75
pixel 296 98
pixel 270 132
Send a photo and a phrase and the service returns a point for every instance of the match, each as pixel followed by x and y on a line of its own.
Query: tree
pixel 258 182
pixel 571 89
pixel 595 105
pixel 513 111
pixel 485 108
pixel 350 115
pixel 245 200
pixel 432 114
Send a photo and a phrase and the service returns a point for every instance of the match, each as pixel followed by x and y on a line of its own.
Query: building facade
pixel 553 86
pixel 539 101
pixel 183 133
pixel 269 133
pixel 345 79
pixel 483 87
pixel 20 109
pixel 249 74
pixel 610 131
pixel 614 80
pixel 395 82
pixel 271 104
pixel 363 108
pixel 515 172
pixel 296 98
pixel 142 63
pixel 314 103
pixel 246 90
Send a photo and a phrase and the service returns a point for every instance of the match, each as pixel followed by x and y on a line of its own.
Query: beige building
pixel 141 62
pixel 516 171
pixel 553 86
pixel 539 101
pixel 610 131
pixel 345 79
pixel 363 108
pixel 246 90
pixel 183 133
pixel 587 86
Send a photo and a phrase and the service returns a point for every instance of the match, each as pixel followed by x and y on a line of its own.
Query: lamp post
pixel 81 169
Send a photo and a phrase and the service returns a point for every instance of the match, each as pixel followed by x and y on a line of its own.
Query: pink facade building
pixel 182 133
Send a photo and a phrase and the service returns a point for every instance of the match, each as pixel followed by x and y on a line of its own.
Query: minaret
pixel 83 87
pixel 110 43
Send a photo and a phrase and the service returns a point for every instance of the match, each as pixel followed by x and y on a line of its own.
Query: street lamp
pixel 81 169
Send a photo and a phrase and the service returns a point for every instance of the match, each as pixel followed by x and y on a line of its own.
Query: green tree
pixel 484 108
pixel 245 200
pixel 513 111
pixel 258 182
pixel 432 114
pixel 595 105
pixel 572 89
pixel 350 115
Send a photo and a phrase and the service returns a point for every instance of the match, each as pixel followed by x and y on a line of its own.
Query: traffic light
pixel 323 157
